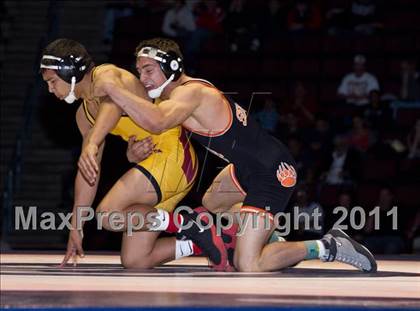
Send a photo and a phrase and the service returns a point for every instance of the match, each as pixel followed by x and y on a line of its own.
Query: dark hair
pixel 65 47
pixel 166 45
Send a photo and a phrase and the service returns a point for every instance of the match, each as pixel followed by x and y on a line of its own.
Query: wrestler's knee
pixel 211 204
pixel 247 265
pixel 103 217
pixel 207 202
pixel 136 262
pixel 105 206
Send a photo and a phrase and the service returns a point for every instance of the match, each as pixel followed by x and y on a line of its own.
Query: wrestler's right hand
pixel 88 164
pixel 103 84
pixel 139 150
pixel 74 248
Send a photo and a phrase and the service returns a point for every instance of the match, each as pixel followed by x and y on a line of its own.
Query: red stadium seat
pixel 329 195
pixel 305 68
pixel 243 66
pixel 337 68
pixel 277 46
pixel 367 44
pixel 379 170
pixel 328 92
pixel 407 196
pixel 410 167
pixel 391 86
pixel 399 44
pixel 408 117
pixel 278 88
pixel 333 44
pixel 393 67
pixel 367 195
pixel 342 110
pixel 214 45
pixel 275 68
pixel 213 67
pixel 307 44
pixel 417 47
pixel 378 67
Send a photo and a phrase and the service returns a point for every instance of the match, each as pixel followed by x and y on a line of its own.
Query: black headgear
pixel 170 62
pixel 67 67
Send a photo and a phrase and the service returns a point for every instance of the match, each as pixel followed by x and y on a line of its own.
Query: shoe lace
pixel 348 260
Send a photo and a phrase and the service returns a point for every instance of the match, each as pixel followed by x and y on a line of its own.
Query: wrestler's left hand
pixel 102 86
pixel 88 164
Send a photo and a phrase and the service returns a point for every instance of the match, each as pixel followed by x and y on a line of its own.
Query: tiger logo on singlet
pixel 286 174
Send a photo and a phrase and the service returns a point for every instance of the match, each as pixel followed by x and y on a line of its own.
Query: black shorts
pixel 265 188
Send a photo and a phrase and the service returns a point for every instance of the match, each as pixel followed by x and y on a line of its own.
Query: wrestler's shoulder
pixel 109 70
pixel 193 89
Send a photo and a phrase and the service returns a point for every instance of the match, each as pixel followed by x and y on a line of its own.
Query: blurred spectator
pixel 319 138
pixel 379 119
pixel 346 198
pixel 301 157
pixel 268 117
pixel 413 141
pixel 242 27
pixel 210 16
pixel 288 127
pixel 410 82
pixel 115 10
pixel 413 233
pixel 274 17
pixel 179 20
pixel 355 87
pixel 377 113
pixel 337 17
pixel 304 16
pixel 302 105
pixel 364 18
pixel 318 141
pixel 311 222
pixel 384 239
pixel 360 136
pixel 343 164
pixel 7 9
pixel 209 22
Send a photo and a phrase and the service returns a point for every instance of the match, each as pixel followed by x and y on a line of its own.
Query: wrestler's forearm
pixel 144 113
pixel 108 116
pixel 97 135
pixel 84 194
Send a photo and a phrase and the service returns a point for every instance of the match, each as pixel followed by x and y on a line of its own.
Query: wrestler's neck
pixel 168 90
pixel 84 89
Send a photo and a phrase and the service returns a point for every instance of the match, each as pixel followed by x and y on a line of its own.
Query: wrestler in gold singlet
pixel 171 168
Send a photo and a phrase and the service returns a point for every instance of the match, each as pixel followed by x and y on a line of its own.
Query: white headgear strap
pixel 157 55
pixel 71 96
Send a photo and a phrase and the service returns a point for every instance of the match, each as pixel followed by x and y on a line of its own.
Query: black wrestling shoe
pixel 210 243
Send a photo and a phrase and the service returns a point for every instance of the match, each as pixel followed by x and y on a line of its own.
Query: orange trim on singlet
pixel 208 84
pixel 256 210
pixel 235 180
